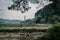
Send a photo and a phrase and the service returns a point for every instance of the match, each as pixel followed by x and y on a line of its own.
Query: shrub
pixel 53 33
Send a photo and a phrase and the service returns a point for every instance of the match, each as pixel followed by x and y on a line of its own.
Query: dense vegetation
pixel 52 33
pixel 48 14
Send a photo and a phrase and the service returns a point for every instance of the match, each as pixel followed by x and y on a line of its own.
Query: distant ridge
pixel 7 21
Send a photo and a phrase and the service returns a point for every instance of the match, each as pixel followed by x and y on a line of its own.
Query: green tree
pixel 37 19
pixel 22 5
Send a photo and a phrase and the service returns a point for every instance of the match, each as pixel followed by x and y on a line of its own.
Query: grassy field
pixel 38 26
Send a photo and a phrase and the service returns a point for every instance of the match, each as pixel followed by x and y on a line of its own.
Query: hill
pixel 7 21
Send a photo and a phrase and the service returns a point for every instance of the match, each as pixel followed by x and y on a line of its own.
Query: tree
pixel 37 19
pixel 56 7
pixel 22 5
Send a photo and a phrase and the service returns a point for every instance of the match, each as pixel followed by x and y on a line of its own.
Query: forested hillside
pixel 49 14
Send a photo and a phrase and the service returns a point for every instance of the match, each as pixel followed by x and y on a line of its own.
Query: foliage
pixel 46 15
pixel 53 19
pixel 53 33
pixel 50 13
pixel 37 19
pixel 22 5
pixel 43 12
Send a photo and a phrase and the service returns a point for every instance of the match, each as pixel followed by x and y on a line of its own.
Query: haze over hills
pixel 7 21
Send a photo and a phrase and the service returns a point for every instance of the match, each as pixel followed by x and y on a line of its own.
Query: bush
pixel 53 33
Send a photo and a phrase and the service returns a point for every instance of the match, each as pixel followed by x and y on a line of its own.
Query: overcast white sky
pixel 10 14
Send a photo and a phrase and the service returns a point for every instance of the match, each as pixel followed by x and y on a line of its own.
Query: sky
pixel 17 15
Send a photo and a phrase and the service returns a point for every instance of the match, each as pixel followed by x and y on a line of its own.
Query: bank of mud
pixel 25 34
